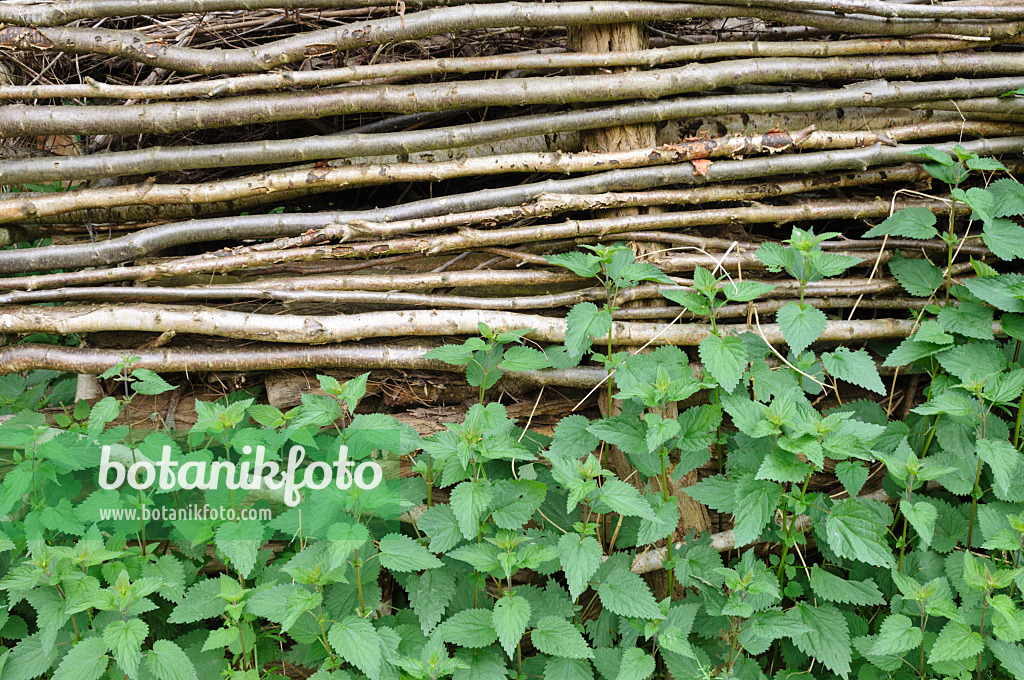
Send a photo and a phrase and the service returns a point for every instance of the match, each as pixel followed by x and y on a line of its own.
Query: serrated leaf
pixel 624 499
pixel 897 635
pixel 557 637
pixel 355 639
pixel 800 325
pixel 30 658
pixel 956 641
pixel 584 322
pixel 456 355
pixel 239 542
pixel 510 617
pixel 557 668
pixel 401 553
pixel 440 524
pixel 201 602
pixel 584 265
pixel 624 593
pixel 86 660
pixel 469 501
pixel 756 501
pixel 724 358
pixel 148 382
pixel 125 638
pixel 837 589
pixel 430 597
pixel 922 516
pixel 969 319
pixel 167 661
pixel 469 628
pixel 918 277
pixel 854 531
pixel 827 639
pixel 1004 461
pixel 854 367
pixel 580 557
pixel 914 222
pixel 636 664
pixel 745 291
pixel 1004 237
pixel 523 359
pixel 852 475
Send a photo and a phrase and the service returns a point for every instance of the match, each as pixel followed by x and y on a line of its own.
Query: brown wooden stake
pixel 624 38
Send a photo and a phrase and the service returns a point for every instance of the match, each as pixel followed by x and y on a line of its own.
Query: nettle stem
pixel 950 241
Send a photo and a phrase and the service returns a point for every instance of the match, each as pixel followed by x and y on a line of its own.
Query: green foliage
pixel 510 554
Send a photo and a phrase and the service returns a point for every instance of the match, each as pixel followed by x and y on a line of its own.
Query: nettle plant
pixel 505 553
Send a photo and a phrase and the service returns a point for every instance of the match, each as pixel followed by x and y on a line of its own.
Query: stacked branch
pixel 243 185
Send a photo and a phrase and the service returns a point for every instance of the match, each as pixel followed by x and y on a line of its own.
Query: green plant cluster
pixel 509 554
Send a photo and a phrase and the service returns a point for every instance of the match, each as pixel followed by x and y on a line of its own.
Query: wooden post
pixel 631 37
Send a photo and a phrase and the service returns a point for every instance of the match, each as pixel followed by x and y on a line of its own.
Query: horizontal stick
pixel 158 159
pixel 281 185
pixel 138 47
pixel 893 10
pixel 318 330
pixel 93 89
pixel 18 120
pixel 133 246
pixel 29 356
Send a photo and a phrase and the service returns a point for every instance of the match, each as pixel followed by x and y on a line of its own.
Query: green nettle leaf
pixel 456 355
pixel 30 658
pixel 969 319
pixel 1011 656
pixel 801 324
pixel 897 635
pixel 469 501
pixel 105 410
pixel 580 556
pixel 355 639
pixel 167 661
pixel 510 616
pixel 636 664
pixel 523 359
pixel 1004 460
pixel 583 322
pixel 87 660
pixel 558 668
pixel 239 542
pixel 854 367
pixel 914 222
pixel 556 636
pixel 472 628
pixel 827 638
pixel 920 278
pixel 756 502
pixel 724 358
pixel 856 532
pixel 1007 197
pixel 125 638
pixel 201 602
pixel 148 382
pixel 585 265
pixel 922 516
pixel 834 588
pixel 624 593
pixel 956 641
pixel 852 475
pixel 430 597
pixel 745 291
pixel 401 553
pixel 440 524
pixel 624 499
